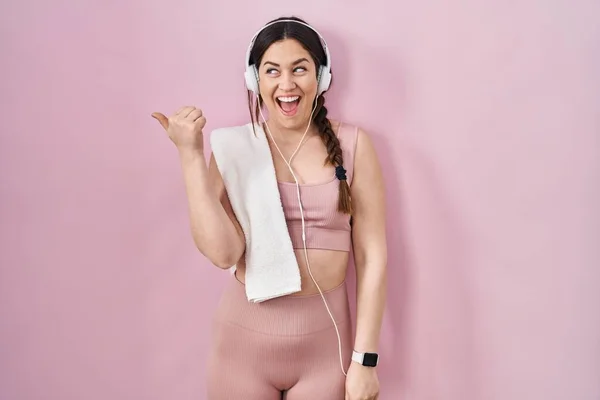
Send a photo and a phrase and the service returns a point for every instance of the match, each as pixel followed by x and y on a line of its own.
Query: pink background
pixel 486 117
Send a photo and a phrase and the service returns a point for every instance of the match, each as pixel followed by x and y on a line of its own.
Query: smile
pixel 288 105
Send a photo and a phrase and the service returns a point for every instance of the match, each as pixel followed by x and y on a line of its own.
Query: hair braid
pixel 334 152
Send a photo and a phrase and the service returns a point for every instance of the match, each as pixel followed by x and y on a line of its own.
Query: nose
pixel 287 82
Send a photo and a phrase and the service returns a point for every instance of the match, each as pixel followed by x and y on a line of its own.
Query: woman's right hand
pixel 184 127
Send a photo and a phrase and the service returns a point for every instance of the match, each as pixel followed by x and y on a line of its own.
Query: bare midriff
pixel 328 267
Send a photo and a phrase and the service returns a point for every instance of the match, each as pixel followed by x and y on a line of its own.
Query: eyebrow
pixel 298 61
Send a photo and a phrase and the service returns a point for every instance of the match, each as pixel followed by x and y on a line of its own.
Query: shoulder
pixel 368 186
pixel 366 159
pixel 366 154
pixel 353 138
pixel 358 143
pixel 364 143
pixel 346 134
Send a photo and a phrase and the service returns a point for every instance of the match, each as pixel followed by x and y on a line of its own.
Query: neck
pixel 290 136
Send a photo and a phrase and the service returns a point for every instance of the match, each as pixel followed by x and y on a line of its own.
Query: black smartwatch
pixel 366 359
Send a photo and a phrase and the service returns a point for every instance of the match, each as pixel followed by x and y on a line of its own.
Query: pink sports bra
pixel 326 227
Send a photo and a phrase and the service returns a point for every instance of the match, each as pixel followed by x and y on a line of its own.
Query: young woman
pixel 297 346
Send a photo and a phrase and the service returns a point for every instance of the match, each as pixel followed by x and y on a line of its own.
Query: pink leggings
pixel 284 346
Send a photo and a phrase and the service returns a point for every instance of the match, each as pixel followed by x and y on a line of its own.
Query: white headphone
pixel 323 76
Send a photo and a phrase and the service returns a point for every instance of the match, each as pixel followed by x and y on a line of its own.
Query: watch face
pixel 370 360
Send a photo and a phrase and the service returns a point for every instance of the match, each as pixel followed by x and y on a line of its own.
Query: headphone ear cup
pixel 324 80
pixel 251 78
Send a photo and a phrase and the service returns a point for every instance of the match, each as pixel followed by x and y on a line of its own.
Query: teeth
pixel 288 99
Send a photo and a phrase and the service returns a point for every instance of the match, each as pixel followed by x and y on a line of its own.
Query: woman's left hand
pixel 361 383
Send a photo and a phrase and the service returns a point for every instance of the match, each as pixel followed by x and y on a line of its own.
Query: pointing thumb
pixel 164 121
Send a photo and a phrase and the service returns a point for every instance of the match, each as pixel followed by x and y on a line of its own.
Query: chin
pixel 292 123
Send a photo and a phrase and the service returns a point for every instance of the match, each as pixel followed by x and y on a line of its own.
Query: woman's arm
pixel 369 241
pixel 215 229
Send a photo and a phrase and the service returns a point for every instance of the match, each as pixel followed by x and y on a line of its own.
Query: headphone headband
pixel 324 76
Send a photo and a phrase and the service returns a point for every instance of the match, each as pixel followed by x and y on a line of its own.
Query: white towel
pixel 247 168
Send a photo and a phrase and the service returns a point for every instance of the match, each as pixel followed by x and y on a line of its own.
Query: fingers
pixel 185 111
pixel 182 109
pixel 164 121
pixel 188 112
pixel 195 114
pixel 200 123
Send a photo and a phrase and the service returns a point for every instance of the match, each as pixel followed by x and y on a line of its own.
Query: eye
pixel 274 71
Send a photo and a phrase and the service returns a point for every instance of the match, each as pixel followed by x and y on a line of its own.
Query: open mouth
pixel 288 105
